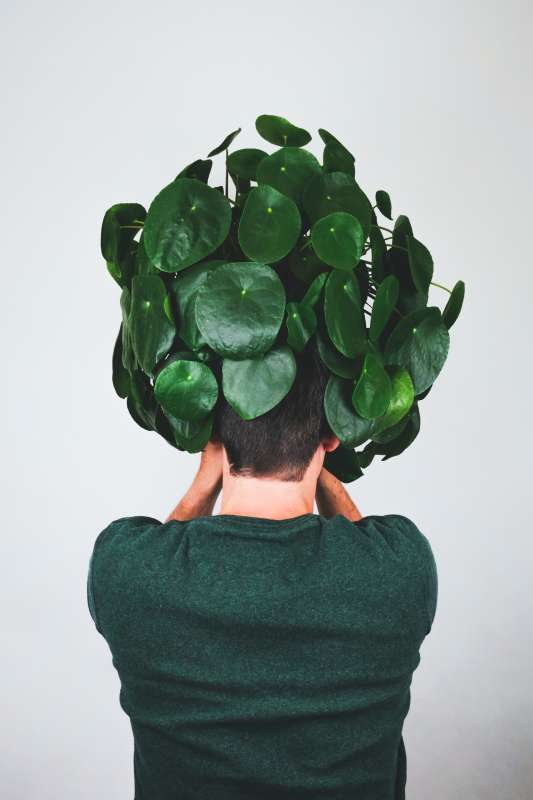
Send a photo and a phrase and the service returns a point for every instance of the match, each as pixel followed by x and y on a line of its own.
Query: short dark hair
pixel 281 442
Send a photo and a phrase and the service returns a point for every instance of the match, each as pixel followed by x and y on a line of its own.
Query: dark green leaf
pixel 121 377
pixel 301 324
pixel 243 163
pixel 379 255
pixel 288 170
pixel 384 304
pixel 128 357
pixel 184 288
pixel 225 144
pixel 191 436
pixel 343 314
pixel 338 159
pixel 120 224
pixel 402 398
pixel 406 437
pixel 239 309
pixel 199 169
pixel 344 464
pixel 351 429
pixel 420 263
pixel 306 265
pixel 383 203
pixel 402 230
pixel 269 226
pixel 254 386
pixel 141 401
pixel 278 130
pixel 454 305
pixel 335 361
pixel 186 389
pixel 372 391
pixel 419 343
pixel 336 191
pixel 338 240
pixel 314 290
pixel 186 222
pixel 151 329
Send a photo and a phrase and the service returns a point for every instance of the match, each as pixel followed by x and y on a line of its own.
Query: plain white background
pixel 105 103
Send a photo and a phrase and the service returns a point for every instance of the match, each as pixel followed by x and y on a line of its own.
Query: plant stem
pixel 227 188
pixel 441 287
pixel 399 247
pixel 382 228
pixel 308 242
pixel 131 227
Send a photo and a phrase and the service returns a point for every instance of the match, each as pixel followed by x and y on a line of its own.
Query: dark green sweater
pixel 265 658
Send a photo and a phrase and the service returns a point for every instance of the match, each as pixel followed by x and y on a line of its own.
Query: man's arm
pixel 332 498
pixel 200 498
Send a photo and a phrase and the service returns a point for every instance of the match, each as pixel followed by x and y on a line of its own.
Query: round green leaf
pixel 384 304
pixel 338 240
pixel 288 170
pixel 372 391
pixel 419 343
pixel 344 464
pixel 401 400
pixel 301 324
pixel 336 191
pixel 343 314
pixel 350 428
pixel 243 163
pixel 420 264
pixel 225 144
pixel 278 130
pixel 239 309
pixel 254 386
pixel 151 329
pixel 383 203
pixel 186 222
pixel 269 226
pixel 454 305
pixel 335 361
pixel 186 389
pixel 184 288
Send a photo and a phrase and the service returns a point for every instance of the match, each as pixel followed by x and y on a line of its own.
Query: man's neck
pixel 265 497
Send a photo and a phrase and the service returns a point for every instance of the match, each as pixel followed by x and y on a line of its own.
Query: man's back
pixel 264 658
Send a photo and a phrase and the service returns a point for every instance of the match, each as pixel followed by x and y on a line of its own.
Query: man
pixel 266 652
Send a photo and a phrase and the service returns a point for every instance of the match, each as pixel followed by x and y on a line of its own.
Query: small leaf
pixel 269 226
pixel 288 170
pixel 343 314
pixel 243 163
pixel 383 203
pixel 186 389
pixel 344 464
pixel 454 305
pixel 314 290
pixel 384 304
pixel 301 324
pixel 420 263
pixel 225 144
pixel 278 130
pixel 338 240
pixel 152 331
pixel 372 391
pixel 419 343
pixel 254 386
pixel 350 428
pixel 199 169
pixel 402 398
pixel 337 158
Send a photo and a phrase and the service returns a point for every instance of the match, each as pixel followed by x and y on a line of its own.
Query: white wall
pixel 105 102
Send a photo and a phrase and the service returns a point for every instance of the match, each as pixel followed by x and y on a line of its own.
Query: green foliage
pixel 221 294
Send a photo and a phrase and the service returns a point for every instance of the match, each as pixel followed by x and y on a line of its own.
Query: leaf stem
pixel 382 228
pixel 441 287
